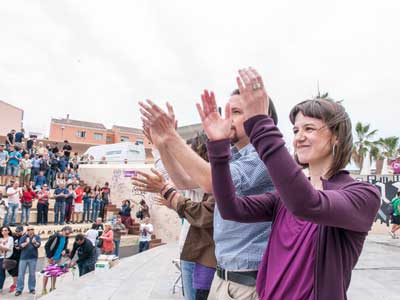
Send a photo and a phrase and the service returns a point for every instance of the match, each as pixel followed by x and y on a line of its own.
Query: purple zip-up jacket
pixel 344 210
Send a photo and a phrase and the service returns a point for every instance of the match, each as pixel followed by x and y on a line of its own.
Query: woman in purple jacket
pixel 320 222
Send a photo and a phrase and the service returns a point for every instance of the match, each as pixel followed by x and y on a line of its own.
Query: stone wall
pixel 166 222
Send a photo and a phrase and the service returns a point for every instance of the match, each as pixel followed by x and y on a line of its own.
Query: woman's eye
pixel 309 129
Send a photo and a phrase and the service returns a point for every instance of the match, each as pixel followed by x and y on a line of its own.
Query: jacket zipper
pixel 316 263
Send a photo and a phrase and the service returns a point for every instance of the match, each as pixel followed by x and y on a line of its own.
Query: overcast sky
pixel 96 59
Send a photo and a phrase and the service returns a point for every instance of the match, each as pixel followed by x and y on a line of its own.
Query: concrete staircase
pixel 45 231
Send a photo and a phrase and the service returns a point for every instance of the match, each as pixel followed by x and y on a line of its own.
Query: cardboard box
pixel 102 266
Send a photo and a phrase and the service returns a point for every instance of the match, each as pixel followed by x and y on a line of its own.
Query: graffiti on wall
pixel 388 186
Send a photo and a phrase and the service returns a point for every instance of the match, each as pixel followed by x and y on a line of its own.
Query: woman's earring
pixel 334 150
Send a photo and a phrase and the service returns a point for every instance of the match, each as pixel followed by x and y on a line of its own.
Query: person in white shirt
pixel 6 251
pixel 92 234
pixel 146 230
pixel 14 194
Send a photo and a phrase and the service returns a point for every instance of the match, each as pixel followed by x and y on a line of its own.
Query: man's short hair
pixel 67 228
pixel 79 237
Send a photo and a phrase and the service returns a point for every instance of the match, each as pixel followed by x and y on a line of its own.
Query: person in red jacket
pixel 108 240
pixel 26 201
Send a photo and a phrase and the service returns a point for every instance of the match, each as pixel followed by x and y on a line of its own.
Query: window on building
pixel 139 142
pixel 98 136
pixel 124 138
pixel 81 134
pixel 109 140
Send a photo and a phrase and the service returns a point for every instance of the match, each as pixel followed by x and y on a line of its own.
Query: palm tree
pixel 390 147
pixel 364 144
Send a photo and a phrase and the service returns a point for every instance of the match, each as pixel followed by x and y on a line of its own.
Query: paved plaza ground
pixel 150 276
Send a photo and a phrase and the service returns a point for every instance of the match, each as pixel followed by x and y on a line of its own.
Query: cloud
pixel 96 59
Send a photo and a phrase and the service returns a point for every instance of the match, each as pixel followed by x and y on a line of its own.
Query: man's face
pixel 12 149
pixel 147 220
pixel 98 221
pixel 79 242
pixel 1 148
pixel 237 129
pixel 16 185
pixel 118 220
pixel 30 231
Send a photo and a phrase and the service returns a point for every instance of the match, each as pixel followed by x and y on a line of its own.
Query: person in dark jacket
pixel 125 213
pixel 18 233
pixel 56 248
pixel 86 255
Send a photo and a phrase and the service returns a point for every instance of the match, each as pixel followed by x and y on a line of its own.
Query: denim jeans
pixel 95 209
pixel 51 177
pixel 187 268
pixel 59 212
pixel 23 264
pixel 143 246
pixel 11 214
pixel 103 205
pixel 42 213
pixel 117 243
pixel 86 266
pixel 86 210
pixel 26 211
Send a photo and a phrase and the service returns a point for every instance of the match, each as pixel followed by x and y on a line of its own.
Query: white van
pixel 117 153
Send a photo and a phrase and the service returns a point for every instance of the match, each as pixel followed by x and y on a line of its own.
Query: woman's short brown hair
pixel 337 120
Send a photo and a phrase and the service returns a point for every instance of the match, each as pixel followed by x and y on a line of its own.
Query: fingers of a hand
pixel 146 122
pixel 146 114
pixel 240 85
pixel 213 103
pixel 245 78
pixel 144 105
pixel 208 96
pixel 228 111
pixel 144 174
pixel 200 111
pixel 155 107
pixel 147 108
pixel 258 77
pixel 158 174
pixel 139 181
pixel 170 109
pixel 205 104
pixel 252 77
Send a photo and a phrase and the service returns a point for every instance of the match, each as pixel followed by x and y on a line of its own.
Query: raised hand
pixel 157 122
pixel 254 98
pixel 216 127
pixel 152 183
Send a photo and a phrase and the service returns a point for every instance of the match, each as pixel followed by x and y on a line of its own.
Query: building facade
pixel 94 133
pixel 77 131
pixel 11 117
